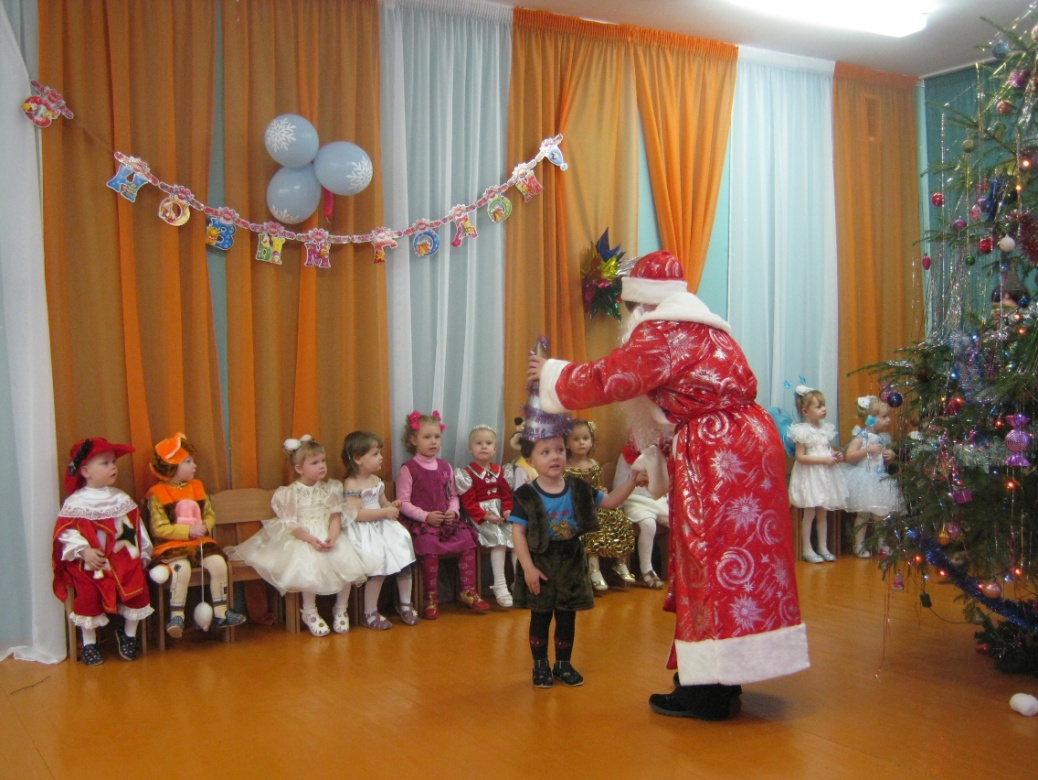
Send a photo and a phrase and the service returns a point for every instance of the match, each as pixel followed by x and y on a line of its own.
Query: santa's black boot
pixel 705 702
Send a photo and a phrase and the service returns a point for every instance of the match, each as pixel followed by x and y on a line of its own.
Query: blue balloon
pixel 343 168
pixel 293 194
pixel 291 140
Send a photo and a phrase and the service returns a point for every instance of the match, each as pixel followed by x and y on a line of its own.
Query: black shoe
pixel 229 620
pixel 705 702
pixel 542 675
pixel 128 645
pixel 90 655
pixel 566 674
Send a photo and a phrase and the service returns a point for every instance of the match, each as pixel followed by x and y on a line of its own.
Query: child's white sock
pixel 497 565
pixel 342 599
pixel 646 538
pixel 89 636
pixel 130 629
pixel 372 590
pixel 403 586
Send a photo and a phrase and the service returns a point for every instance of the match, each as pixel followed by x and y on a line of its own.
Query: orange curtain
pixel 877 220
pixel 686 87
pixel 129 307
pixel 573 77
pixel 307 347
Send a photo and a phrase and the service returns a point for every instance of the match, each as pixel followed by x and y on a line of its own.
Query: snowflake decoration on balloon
pixel 281 132
pixel 600 280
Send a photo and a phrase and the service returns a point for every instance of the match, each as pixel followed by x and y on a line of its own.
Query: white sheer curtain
pixel 444 80
pixel 782 302
pixel 31 619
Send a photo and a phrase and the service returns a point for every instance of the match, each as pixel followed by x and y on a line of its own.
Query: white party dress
pixel 291 564
pixel 816 484
pixel 385 544
pixel 869 487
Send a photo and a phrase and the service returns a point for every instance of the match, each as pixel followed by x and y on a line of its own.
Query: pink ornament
pixel 927 262
pixel 954 529
pixel 1018 440
pixel 991 589
pixel 898 583
pixel 975 213
pixel 1005 108
pixel 959 224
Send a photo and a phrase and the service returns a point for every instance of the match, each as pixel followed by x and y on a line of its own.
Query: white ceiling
pixel 953 33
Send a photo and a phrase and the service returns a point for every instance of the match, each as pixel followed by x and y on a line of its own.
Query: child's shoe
pixel 598 581
pixel 376 621
pixel 542 677
pixel 652 580
pixel 812 557
pixel 473 601
pixel 175 626
pixel 314 622
pixel 90 655
pixel 229 620
pixel 407 614
pixel 566 674
pixel 128 645
pixel 828 556
pixel 431 610
pixel 623 572
pixel 341 620
pixel 504 598
pixel 861 552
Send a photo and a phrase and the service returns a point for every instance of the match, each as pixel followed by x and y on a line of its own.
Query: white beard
pixel 646 422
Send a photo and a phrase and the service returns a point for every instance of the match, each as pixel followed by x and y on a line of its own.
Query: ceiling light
pixel 894 18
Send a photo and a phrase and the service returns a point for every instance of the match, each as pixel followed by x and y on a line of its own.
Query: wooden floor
pixel 453 698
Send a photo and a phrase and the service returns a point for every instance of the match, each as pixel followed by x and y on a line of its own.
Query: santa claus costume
pixel 732 579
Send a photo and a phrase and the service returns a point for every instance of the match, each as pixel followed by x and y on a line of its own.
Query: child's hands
pixel 435 519
pixel 533 578
pixel 94 559
pixel 391 512
pixel 874 449
pixel 641 478
pixel 888 455
pixel 492 519
pixel 196 531
pixel 450 517
pixel 397 503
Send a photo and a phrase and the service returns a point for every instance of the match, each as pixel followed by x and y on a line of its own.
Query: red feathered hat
pixel 653 278
pixel 82 451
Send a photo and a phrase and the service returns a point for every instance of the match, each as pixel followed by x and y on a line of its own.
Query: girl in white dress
pixel 377 532
pixel 870 492
pixel 815 485
pixel 303 549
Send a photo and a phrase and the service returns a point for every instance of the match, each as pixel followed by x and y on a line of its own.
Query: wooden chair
pixel 239 514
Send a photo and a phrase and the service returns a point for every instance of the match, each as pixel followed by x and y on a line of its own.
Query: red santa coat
pixel 731 554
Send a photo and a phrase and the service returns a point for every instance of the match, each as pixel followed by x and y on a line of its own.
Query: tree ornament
pixel 1007 243
pixel 1018 79
pixel 1000 50
pixel 959 224
pixel 898 583
pixel 991 589
pixel 954 530
pixel 1018 440
pixel 943 537
pixel 926 262
pixel 970 260
pixel 986 245
pixel 937 199
pixel 600 281
pixel 1005 108
pixel 975 212
pixel 969 145
pixel 894 399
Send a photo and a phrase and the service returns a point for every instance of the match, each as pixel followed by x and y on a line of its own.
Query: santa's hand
pixel 534 366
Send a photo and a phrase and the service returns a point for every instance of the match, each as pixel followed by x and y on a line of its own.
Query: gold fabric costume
pixel 615 538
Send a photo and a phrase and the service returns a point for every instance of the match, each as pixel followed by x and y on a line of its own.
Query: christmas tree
pixel 970 390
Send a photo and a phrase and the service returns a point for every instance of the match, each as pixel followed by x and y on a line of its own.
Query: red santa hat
pixel 654 277
pixel 82 451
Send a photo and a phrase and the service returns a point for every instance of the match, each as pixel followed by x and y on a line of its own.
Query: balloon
pixel 293 194
pixel 343 168
pixel 203 615
pixel 291 140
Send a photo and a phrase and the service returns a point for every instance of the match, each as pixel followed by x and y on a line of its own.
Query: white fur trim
pixel 88 621
pixel 638 290
pixel 550 373
pixel 743 659
pixel 686 307
pixel 135 613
